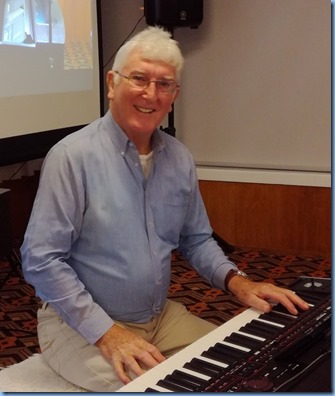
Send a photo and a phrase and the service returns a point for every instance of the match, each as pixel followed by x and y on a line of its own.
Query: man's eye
pixel 164 84
pixel 138 79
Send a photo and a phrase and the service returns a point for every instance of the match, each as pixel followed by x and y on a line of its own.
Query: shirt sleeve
pixel 53 227
pixel 197 244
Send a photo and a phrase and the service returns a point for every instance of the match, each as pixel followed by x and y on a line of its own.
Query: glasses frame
pixel 132 83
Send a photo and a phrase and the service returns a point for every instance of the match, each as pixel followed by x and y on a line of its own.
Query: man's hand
pixel 128 352
pixel 258 295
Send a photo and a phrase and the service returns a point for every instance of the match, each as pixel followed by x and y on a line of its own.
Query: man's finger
pixel 121 373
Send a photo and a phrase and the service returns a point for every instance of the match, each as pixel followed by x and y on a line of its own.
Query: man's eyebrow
pixel 137 72
pixel 143 73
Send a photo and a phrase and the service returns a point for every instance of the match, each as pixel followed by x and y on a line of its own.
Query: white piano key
pixel 160 389
pixel 195 373
pixel 206 359
pixel 289 315
pixel 251 335
pixel 236 346
pixel 270 322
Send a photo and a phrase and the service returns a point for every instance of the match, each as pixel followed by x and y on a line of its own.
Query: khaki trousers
pixel 81 363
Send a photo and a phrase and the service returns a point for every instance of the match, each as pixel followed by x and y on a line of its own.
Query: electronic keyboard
pixel 252 352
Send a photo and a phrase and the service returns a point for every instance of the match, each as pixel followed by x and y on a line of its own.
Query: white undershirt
pixel 146 162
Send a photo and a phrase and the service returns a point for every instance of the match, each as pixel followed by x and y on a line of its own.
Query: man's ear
pixel 110 84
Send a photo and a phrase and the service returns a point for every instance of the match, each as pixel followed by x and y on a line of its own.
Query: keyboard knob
pixel 261 384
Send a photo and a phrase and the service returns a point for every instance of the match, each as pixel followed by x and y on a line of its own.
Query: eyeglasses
pixel 141 82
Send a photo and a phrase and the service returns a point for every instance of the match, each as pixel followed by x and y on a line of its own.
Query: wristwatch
pixel 231 273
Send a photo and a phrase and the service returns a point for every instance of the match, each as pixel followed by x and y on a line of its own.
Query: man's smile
pixel 144 109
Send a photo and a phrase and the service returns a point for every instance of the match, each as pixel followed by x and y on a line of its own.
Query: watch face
pixel 241 273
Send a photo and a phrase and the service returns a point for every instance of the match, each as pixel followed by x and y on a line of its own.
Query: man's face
pixel 140 112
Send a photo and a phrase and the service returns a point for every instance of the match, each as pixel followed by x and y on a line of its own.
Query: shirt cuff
pixel 220 276
pixel 94 327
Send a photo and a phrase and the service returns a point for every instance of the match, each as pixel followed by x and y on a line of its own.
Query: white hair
pixel 154 44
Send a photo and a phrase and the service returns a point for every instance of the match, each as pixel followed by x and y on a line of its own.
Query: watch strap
pixel 231 273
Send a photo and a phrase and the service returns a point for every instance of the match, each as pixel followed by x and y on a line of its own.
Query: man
pixel 114 200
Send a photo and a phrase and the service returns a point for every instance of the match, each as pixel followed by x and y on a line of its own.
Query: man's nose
pixel 151 89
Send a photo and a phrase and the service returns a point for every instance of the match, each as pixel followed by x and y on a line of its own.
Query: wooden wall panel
pixel 287 218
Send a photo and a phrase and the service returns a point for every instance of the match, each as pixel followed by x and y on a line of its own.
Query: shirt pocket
pixel 169 217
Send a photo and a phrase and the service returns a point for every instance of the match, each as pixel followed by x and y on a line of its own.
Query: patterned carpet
pixel 18 303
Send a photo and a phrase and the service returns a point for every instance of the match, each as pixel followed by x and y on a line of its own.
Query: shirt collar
pixel 121 140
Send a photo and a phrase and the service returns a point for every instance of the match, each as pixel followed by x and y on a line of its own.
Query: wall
pixel 256 88
pixel 289 218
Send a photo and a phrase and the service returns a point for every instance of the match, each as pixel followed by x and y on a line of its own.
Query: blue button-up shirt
pixel 98 244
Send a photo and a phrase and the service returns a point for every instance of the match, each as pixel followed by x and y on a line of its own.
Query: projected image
pixel 31 22
pixel 43 46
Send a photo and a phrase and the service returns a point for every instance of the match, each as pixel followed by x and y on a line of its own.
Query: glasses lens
pixel 143 83
pixel 165 86
pixel 138 82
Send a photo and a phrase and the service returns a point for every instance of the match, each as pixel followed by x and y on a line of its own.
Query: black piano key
pixel 172 386
pixel 185 380
pixel 245 341
pixel 282 309
pixel 214 354
pixel 199 369
pixel 276 317
pixel 229 351
pixel 311 298
pixel 189 377
pixel 260 329
pixel 188 386
pixel 150 390
pixel 249 329
pixel 203 367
